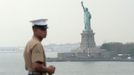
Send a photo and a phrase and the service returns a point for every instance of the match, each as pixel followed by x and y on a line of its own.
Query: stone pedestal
pixel 87 41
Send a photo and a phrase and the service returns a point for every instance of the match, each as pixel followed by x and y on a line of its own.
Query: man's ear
pixel 34 29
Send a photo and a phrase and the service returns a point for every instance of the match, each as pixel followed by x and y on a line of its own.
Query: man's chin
pixel 44 37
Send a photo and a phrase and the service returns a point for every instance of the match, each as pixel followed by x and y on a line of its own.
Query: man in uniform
pixel 34 56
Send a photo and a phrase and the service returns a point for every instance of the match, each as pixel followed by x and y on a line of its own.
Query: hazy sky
pixel 112 20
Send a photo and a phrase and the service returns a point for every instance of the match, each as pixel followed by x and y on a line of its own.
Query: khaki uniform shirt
pixel 34 52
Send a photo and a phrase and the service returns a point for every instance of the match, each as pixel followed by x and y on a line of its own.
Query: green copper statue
pixel 87 17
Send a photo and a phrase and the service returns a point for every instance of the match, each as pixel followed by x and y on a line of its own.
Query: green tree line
pixel 119 48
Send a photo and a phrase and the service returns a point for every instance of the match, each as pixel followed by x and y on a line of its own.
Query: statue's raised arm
pixel 82 5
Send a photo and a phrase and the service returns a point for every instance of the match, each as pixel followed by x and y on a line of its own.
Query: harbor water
pixel 13 64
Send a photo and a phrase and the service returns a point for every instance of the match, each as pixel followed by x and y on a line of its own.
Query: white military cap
pixel 40 22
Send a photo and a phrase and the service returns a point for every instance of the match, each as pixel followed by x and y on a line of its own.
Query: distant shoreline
pixel 86 60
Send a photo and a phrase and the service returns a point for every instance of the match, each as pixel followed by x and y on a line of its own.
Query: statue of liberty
pixel 87 17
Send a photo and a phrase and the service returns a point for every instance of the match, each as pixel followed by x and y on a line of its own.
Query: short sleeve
pixel 37 53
